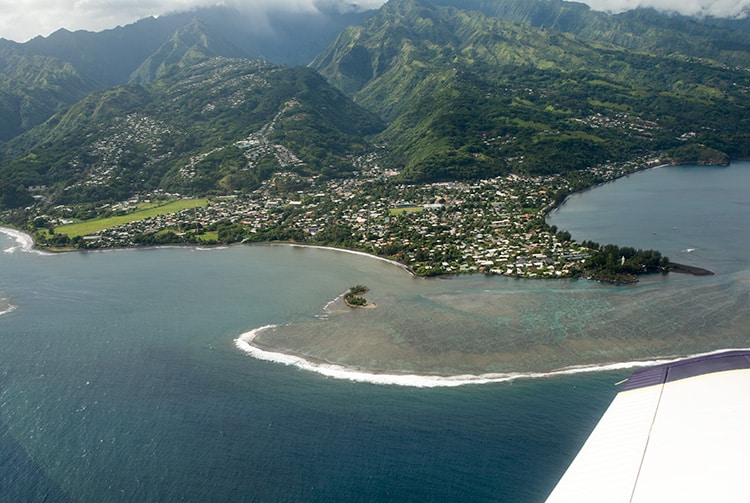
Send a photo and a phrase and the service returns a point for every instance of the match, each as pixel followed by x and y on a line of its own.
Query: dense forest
pixel 621 264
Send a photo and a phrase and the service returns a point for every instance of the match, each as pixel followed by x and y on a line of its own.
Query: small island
pixel 354 297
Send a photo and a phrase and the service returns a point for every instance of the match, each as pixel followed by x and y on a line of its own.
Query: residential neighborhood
pixel 492 226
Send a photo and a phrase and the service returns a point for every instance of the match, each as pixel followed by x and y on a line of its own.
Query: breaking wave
pixel 24 242
pixel 245 343
pixel 6 307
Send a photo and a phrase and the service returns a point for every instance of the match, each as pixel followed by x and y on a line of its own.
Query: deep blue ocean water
pixel 120 379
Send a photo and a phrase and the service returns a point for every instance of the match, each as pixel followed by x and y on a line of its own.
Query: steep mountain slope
pixel 195 40
pixel 645 30
pixel 34 87
pixel 469 95
pixel 46 74
pixel 214 125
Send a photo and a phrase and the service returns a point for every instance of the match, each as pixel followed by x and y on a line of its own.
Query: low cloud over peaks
pixel 25 19
pixel 700 8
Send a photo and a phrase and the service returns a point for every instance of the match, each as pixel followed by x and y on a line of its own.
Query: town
pixel 491 226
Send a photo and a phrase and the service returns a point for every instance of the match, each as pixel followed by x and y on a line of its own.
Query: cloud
pixel 716 8
pixel 24 19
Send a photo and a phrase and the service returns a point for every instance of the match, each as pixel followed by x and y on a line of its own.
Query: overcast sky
pixel 21 20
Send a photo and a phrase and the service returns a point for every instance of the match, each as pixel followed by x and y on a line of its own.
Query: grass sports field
pixel 146 211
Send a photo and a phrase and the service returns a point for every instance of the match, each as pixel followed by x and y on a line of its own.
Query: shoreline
pixel 520 271
pixel 333 248
pixel 581 191
pixel 416 380
pixel 245 341
pixel 24 241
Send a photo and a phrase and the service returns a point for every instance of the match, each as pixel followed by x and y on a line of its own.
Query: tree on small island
pixel 353 297
pixel 615 264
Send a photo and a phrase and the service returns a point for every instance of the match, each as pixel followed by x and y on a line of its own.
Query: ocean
pixel 129 375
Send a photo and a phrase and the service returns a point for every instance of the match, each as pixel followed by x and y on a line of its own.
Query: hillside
pixel 726 41
pixel 207 126
pixel 46 74
pixel 468 95
pixel 498 87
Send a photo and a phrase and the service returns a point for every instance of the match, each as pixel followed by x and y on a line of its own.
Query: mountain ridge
pixel 452 94
pixel 101 60
pixel 447 79
pixel 200 128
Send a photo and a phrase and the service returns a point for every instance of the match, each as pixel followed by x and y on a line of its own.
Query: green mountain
pixel 454 90
pixel 33 87
pixel 44 75
pixel 468 94
pixel 210 125
pixel 644 30
pixel 192 42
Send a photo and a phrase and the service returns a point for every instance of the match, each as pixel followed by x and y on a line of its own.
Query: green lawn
pixel 208 237
pixel 99 224
pixel 406 209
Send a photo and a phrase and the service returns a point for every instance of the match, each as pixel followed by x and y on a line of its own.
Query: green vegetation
pixel 616 264
pixel 483 114
pixel 140 213
pixel 698 154
pixel 469 94
pixel 208 126
pixel 641 30
pixel 405 209
pixel 354 297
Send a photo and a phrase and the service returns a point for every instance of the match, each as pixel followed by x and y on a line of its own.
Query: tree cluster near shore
pixel 618 264
pixel 354 297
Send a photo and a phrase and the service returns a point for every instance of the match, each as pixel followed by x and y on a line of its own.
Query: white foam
pixel 245 343
pixel 8 308
pixel 24 242
pixel 330 303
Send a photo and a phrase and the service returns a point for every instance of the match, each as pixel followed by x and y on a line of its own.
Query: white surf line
pixel 8 306
pixel 24 241
pixel 245 343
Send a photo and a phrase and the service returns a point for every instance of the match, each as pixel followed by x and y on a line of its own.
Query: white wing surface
pixel 676 432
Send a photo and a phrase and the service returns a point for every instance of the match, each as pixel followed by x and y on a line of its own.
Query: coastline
pixel 333 248
pixel 586 189
pixel 515 260
pixel 25 241
pixel 245 343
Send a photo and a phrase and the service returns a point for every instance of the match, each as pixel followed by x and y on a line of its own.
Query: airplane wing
pixel 675 432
